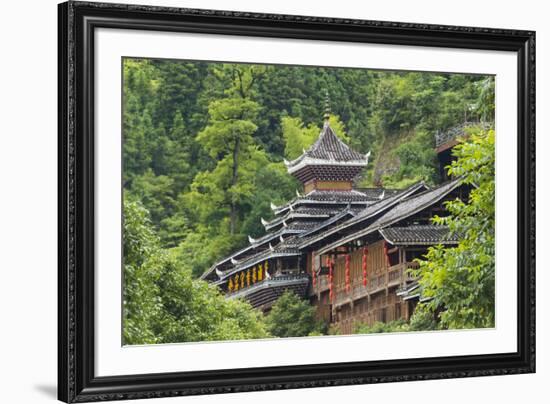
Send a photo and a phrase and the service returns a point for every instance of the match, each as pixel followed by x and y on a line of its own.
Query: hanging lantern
pixel 266 266
pixel 254 275
pixel 348 274
pixel 236 282
pixel 230 285
pixel 365 254
pixel 242 280
pixel 260 274
pixel 330 285
pixel 248 277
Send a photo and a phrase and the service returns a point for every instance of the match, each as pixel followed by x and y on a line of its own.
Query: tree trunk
pixel 234 179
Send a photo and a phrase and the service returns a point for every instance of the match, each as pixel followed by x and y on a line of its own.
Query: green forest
pixel 203 150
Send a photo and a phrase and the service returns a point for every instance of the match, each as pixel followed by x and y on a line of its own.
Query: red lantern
pixel 365 253
pixel 330 286
pixel 348 285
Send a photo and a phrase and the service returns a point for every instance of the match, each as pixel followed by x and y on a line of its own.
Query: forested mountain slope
pixel 204 143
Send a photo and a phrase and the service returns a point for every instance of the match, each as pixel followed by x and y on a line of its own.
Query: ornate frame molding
pixel 77 21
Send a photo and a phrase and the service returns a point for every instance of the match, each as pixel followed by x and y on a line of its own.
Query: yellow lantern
pixel 260 275
pixel 248 277
pixel 254 275
pixel 230 285
pixel 236 282
pixel 242 280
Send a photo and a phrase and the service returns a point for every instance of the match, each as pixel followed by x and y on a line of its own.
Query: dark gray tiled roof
pixel 386 202
pixel 415 203
pixel 344 213
pixel 329 147
pixel 336 196
pixel 403 209
pixel 378 193
pixel 396 207
pixel 304 211
pixel 302 226
pixel 368 212
pixel 326 197
pixel 296 227
pixel 314 230
pixel 316 210
pixel 293 228
pixel 285 249
pixel 419 235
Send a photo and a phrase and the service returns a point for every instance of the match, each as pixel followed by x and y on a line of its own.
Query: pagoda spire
pixel 326 115
pixel 329 163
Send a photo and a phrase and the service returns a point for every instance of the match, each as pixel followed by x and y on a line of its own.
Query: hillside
pixel 204 143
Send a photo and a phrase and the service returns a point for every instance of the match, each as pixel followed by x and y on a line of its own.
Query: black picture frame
pixel 76 379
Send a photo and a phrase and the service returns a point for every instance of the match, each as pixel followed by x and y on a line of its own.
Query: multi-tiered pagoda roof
pixel 317 208
pixel 328 213
pixel 328 159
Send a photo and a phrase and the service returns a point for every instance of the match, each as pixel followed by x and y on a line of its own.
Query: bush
pixel 423 320
pixel 379 327
pixel 292 316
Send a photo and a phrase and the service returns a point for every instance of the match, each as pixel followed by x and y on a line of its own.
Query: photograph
pixel 266 201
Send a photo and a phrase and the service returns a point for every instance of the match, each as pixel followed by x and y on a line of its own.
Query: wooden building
pixel 346 250
pixel 446 140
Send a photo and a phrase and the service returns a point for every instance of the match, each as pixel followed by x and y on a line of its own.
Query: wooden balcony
pixel 321 285
pixel 397 275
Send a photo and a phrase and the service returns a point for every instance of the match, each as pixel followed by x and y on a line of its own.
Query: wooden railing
pixel 397 275
pixel 321 285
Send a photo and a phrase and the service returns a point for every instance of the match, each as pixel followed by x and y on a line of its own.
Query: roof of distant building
pixel 419 235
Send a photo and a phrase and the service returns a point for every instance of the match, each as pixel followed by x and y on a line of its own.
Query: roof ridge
pixel 429 189
pixel 401 192
pixel 414 226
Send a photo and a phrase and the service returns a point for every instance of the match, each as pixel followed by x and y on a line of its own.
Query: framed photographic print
pixel 254 202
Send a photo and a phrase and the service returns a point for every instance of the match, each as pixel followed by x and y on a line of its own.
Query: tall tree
pixel 229 135
pixel 225 203
pixel 228 138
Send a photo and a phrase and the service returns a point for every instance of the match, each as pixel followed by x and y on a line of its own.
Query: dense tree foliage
pixel 204 142
pixel 460 282
pixel 143 263
pixel 163 303
pixel 291 316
